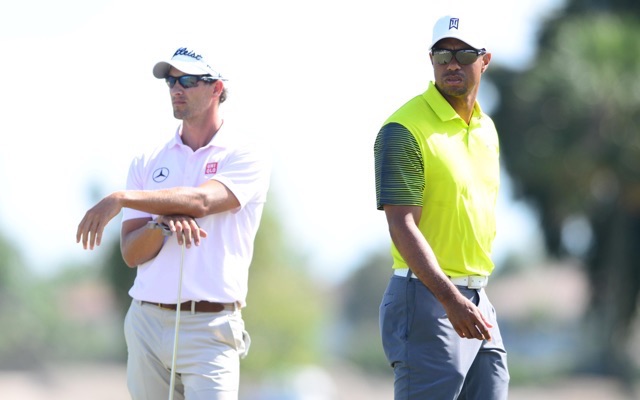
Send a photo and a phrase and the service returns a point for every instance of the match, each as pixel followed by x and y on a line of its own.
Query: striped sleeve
pixel 399 168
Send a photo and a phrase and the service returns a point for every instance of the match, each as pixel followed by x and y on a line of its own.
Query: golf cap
pixel 459 27
pixel 188 61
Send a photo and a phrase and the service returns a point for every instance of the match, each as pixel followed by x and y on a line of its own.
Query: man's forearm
pixel 417 253
pixel 139 244
pixel 180 200
pixel 209 198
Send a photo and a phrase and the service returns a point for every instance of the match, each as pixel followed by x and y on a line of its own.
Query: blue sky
pixel 314 79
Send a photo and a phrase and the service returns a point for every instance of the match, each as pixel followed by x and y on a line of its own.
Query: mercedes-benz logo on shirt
pixel 160 174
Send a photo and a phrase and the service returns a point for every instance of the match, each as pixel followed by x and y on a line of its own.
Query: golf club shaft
pixel 172 383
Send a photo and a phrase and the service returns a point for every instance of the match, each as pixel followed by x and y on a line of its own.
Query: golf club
pixel 172 382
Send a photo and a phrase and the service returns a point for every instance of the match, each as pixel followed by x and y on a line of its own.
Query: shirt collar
pixel 220 139
pixel 441 106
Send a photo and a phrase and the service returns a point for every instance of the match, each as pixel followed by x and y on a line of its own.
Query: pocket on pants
pixel 229 329
pixel 394 322
pixel 246 340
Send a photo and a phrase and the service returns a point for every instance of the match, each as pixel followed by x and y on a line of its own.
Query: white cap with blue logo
pixel 188 61
pixel 461 27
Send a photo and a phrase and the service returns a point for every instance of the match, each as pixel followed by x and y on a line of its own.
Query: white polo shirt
pixel 218 269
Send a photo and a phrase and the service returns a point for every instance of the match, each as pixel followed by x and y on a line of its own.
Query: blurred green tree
pixel 16 317
pixel 569 136
pixel 357 327
pixel 286 309
pixel 49 318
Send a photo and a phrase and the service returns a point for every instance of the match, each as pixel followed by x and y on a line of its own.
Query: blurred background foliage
pixel 571 142
pixel 569 128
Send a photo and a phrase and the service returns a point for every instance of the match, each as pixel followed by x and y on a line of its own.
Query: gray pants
pixel 429 359
pixel 209 351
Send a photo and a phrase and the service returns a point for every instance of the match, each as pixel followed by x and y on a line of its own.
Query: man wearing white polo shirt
pixel 207 187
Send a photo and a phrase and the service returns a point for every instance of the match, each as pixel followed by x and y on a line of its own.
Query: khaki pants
pixel 210 346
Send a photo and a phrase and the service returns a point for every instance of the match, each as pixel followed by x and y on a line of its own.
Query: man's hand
pixel 467 319
pixel 95 220
pixel 185 227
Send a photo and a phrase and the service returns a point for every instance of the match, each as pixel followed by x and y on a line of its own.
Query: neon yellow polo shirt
pixel 426 155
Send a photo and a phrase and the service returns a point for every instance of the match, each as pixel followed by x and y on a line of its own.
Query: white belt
pixel 470 281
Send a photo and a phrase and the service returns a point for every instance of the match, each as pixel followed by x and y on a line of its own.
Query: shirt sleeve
pixel 246 173
pixel 135 182
pixel 399 167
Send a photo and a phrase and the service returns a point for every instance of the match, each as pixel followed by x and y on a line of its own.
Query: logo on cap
pixel 183 51
pixel 453 23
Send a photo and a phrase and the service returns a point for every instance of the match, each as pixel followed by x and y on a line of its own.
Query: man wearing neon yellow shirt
pixel 437 178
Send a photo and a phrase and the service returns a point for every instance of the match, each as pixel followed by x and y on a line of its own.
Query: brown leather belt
pixel 197 306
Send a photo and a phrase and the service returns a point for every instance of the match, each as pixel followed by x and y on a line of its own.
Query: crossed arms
pixel 176 207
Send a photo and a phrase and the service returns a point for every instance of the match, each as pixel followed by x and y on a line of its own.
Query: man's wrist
pixel 153 224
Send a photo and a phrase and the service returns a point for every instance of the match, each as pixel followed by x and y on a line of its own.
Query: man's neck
pixel 463 106
pixel 198 133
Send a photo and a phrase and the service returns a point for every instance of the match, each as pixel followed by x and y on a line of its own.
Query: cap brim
pixel 449 36
pixel 161 69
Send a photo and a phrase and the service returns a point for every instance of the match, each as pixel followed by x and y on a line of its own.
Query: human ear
pixel 486 59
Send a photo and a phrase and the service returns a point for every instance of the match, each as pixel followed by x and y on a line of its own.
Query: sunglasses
pixel 464 56
pixel 188 81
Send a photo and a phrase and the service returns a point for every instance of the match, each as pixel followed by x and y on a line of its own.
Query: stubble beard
pixel 457 88
pixel 179 113
pixel 454 90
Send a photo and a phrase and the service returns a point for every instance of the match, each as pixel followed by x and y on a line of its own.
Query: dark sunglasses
pixel 188 81
pixel 464 56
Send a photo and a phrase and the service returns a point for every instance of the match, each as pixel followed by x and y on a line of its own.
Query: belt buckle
pixel 475 282
pixel 162 306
